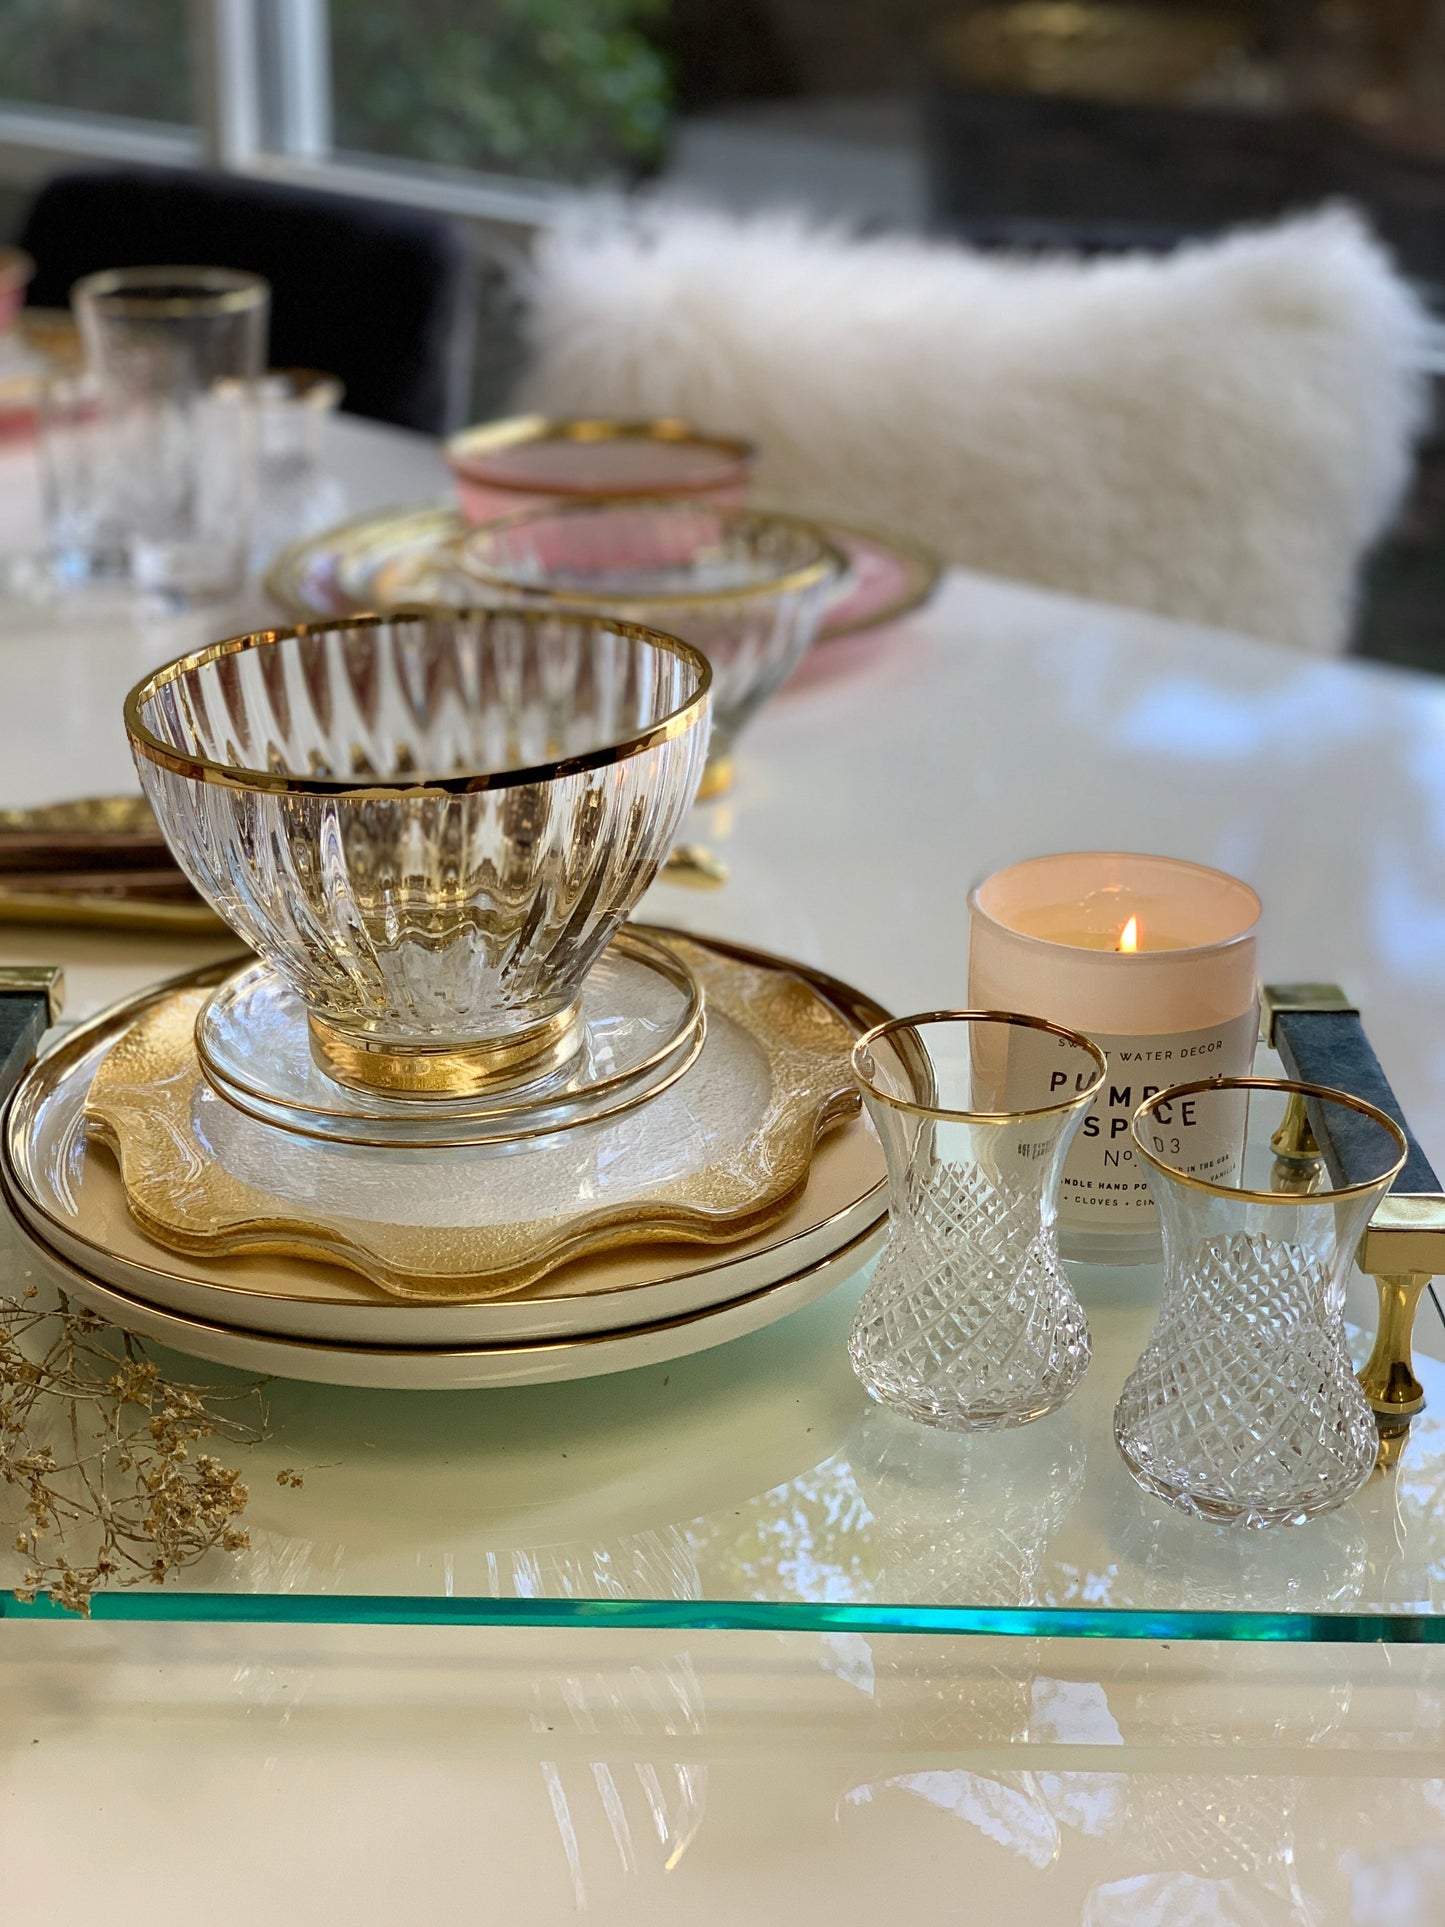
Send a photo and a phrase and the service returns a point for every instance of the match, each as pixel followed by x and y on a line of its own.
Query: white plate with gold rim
pixel 67 1188
pixel 459 1368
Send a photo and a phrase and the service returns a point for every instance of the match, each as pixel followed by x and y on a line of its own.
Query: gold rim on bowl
pixel 1286 1087
pixel 829 563
pixel 514 431
pixel 914 1109
pixel 203 769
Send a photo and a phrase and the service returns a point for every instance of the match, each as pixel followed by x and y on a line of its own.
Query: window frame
pixel 261 105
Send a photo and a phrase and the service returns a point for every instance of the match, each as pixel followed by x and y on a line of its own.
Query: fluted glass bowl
pixel 746 588
pixel 431 825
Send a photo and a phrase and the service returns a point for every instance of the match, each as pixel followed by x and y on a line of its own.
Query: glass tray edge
pixel 704 1615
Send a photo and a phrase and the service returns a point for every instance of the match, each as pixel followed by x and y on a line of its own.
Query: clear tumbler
pixel 166 347
pixel 1244 1408
pixel 82 486
pixel 970 1322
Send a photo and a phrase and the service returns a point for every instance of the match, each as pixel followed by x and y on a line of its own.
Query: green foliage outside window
pixel 562 89
pixel 557 88
pixel 97 56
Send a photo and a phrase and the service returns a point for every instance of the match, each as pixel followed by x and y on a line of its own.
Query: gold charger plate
pixel 68 1190
pixel 721 1152
pixel 401 558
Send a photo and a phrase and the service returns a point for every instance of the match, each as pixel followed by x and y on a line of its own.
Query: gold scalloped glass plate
pixel 720 1154
pixel 402 558
pixel 66 1187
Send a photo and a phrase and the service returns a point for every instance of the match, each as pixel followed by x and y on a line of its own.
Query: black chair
pixel 384 297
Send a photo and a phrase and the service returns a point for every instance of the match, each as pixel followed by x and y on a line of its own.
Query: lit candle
pixel 1154 959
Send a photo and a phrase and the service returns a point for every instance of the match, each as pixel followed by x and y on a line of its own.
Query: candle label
pixel 1104 1182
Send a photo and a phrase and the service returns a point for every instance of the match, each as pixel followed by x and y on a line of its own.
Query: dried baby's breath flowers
pixel 97 1439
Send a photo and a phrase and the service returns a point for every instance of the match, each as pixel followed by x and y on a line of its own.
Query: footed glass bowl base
pixel 641 1024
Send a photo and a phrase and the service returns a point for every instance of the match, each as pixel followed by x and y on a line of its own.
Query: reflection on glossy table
pixel 383 1774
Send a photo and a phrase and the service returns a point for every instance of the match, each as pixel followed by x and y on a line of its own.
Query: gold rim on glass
pixel 913 1109
pixel 490 438
pixel 828 565
pixel 236 776
pixel 175 291
pixel 1285 1087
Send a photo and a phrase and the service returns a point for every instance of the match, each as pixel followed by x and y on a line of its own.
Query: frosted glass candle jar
pixel 1154 959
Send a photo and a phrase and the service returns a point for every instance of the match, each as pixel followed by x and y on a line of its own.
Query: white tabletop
pixel 180 1773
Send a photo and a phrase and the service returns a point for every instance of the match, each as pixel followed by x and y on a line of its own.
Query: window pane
pixel 126 57
pixel 555 89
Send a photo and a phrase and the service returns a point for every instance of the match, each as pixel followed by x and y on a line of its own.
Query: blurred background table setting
pixel 558 577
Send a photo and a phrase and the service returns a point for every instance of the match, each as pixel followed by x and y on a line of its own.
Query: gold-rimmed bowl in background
pixel 526 460
pixel 747 588
pixel 429 825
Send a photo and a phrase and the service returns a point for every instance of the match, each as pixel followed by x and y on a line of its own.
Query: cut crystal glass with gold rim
pixel 1244 1408
pixel 970 1322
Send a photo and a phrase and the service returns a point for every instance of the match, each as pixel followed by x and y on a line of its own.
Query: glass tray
pixel 756 1487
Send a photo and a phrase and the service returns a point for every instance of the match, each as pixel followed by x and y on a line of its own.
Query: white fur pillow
pixel 1217 435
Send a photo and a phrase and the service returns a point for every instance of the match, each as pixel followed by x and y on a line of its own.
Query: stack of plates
pixel 257 1291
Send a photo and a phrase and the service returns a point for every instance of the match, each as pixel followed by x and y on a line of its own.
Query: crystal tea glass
pixel 527 460
pixel 163 344
pixel 429 825
pixel 1243 1408
pixel 970 1322
pixel 747 589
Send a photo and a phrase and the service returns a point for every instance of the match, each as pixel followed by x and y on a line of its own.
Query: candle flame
pixel 1129 935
